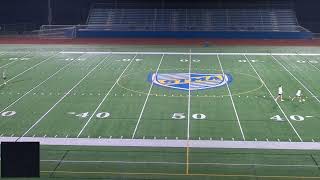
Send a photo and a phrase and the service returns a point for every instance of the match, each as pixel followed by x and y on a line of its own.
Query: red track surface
pixel 161 41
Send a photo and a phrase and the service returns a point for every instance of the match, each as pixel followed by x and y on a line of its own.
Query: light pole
pixel 49 12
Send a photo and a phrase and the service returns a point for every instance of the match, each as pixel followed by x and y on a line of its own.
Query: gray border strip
pixel 169 143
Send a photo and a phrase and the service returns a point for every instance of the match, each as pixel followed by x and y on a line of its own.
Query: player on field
pixel 280 92
pixel 298 95
pixel 4 77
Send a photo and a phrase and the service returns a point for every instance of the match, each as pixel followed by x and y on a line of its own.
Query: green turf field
pixel 170 163
pixel 63 92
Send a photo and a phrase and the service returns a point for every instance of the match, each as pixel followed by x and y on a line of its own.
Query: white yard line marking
pixel 29 69
pixel 21 51
pixel 231 98
pixel 314 66
pixel 284 114
pixel 146 100
pixel 105 97
pixel 308 62
pixel 189 97
pixel 314 96
pixel 184 53
pixel 119 162
pixel 45 114
pixel 178 163
pixel 65 66
pixel 8 64
pixel 13 61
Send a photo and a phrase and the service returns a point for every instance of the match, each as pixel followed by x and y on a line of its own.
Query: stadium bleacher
pixel 127 17
pixel 222 19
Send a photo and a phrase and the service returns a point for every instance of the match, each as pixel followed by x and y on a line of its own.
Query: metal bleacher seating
pixel 129 17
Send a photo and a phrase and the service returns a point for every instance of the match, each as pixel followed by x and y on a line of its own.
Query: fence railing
pixel 17 28
pixel 155 27
pixel 70 31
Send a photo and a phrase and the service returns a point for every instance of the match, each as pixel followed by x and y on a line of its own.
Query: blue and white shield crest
pixel 192 81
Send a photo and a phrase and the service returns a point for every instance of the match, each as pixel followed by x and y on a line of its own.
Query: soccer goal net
pixel 57 31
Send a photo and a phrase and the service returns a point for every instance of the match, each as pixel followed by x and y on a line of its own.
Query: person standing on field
pixel 280 93
pixel 4 77
pixel 298 96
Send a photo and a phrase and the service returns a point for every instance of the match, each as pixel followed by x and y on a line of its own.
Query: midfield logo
pixel 194 81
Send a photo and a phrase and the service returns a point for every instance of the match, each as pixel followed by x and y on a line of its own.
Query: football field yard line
pixel 65 95
pixel 231 98
pixel 3 53
pixel 189 109
pixel 265 85
pixel 13 61
pixel 185 53
pixel 105 97
pixel 65 66
pixel 47 59
pixel 308 62
pixel 314 96
pixel 189 97
pixel 314 66
pixel 146 100
pixel 8 64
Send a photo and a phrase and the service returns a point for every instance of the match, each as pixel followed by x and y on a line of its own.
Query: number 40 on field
pixel 292 117
pixel 100 115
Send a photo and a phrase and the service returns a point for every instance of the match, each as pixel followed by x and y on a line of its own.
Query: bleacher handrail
pixel 239 27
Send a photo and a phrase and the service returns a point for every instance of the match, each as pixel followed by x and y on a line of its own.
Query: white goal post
pixel 57 32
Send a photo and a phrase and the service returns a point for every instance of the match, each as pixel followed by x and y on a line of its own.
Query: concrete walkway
pixel 168 143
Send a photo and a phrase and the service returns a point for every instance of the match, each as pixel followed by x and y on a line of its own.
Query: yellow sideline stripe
pixel 187 159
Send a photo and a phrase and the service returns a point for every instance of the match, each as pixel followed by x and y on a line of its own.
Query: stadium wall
pixel 85 33
pixel 163 41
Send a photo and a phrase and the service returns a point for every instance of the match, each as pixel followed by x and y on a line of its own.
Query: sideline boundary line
pixel 314 96
pixel 146 100
pixel 167 143
pixel 65 95
pixel 231 98
pixel 177 163
pixel 176 174
pixel 105 97
pixel 294 129
pixel 194 53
